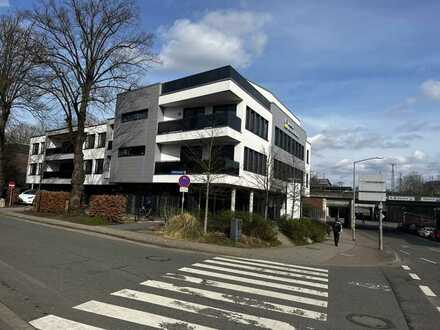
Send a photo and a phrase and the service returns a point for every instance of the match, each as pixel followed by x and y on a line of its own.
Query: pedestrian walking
pixel 337 230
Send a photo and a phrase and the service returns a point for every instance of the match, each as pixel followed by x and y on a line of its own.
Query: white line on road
pixel 135 316
pixel 279 264
pixel 404 252
pixel 265 270
pixel 435 249
pixel 267 277
pixel 427 290
pixel 235 299
pixel 52 322
pixel 438 308
pixel 290 269
pixel 248 290
pixel 414 276
pixel 405 267
pixel 208 311
pixel 256 282
pixel 427 260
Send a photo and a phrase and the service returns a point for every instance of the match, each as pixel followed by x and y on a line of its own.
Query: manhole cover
pixel 157 258
pixel 371 322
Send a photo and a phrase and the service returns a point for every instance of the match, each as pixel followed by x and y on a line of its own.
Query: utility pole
pixel 393 187
pixel 380 226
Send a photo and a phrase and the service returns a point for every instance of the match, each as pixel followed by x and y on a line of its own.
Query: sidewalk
pixel 347 254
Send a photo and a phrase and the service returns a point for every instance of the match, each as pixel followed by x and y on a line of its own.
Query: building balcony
pixel 59 175
pixel 224 166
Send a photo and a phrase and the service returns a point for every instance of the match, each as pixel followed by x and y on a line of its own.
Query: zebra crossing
pixel 237 290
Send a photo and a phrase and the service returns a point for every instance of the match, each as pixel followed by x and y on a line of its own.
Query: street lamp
pixel 353 208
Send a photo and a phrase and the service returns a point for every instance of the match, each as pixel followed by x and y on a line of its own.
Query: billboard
pixel 372 188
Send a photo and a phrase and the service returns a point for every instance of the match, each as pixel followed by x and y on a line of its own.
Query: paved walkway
pixel 349 253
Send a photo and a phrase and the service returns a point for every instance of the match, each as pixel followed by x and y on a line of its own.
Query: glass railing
pixel 223 166
pixel 199 122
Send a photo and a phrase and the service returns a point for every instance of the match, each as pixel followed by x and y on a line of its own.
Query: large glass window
pixel 88 163
pixel 99 166
pixel 35 148
pixel 33 169
pixel 101 140
pixel 254 161
pixel 256 123
pixel 131 151
pixel 289 144
pixel 90 141
pixel 134 115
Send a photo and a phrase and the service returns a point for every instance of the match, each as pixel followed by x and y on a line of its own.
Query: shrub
pixel 51 201
pixel 108 207
pixel 300 230
pixel 184 226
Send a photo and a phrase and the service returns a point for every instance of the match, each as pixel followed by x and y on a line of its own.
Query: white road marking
pixel 427 260
pixel 265 270
pixel 405 267
pixel 235 299
pixel 414 276
pixel 435 249
pixel 52 322
pixel 427 291
pixel 267 277
pixel 217 313
pixel 279 264
pixel 290 269
pixel 249 290
pixel 252 281
pixel 438 308
pixel 404 252
pixel 136 316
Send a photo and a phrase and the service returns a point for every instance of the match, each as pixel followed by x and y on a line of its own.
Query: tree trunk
pixel 205 220
pixel 78 170
pixel 266 205
pixel 2 159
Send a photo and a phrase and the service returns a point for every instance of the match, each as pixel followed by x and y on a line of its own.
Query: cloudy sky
pixel 364 76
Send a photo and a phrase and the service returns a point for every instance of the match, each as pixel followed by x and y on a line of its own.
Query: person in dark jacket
pixel 337 230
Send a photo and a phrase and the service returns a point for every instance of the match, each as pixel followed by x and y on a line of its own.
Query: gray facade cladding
pixel 135 133
pixel 279 119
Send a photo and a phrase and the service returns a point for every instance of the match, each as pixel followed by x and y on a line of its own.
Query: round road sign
pixel 184 181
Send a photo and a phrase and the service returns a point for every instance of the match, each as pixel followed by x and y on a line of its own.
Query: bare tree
pixel 18 75
pixel 94 49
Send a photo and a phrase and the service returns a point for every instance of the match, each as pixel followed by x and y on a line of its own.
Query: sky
pixel 363 76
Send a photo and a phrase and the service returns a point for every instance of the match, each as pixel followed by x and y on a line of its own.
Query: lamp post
pixel 353 207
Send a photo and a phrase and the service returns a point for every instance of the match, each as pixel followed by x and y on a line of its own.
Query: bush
pixel 51 201
pixel 184 226
pixel 300 230
pixel 253 225
pixel 109 207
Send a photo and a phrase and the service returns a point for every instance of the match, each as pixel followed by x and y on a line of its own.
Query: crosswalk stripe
pixel 290 269
pixel 240 300
pixel 279 264
pixel 265 270
pixel 136 316
pixel 249 290
pixel 268 277
pixel 52 322
pixel 218 313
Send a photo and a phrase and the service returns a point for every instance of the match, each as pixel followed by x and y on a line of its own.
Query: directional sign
pixel 430 199
pixel 372 188
pixel 184 181
pixel 402 198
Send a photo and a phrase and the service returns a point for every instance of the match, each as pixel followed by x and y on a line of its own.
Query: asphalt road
pixel 51 276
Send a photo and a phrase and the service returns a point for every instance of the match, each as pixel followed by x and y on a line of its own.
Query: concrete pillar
pixel 251 202
pixel 233 194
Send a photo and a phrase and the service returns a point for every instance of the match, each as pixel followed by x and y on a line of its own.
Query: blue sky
pixel 362 75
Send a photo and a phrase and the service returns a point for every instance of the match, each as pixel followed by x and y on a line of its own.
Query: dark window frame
pixel 99 166
pixel 102 138
pixel 134 115
pixel 35 148
pixel 134 151
pixel 88 170
pixel 257 124
pixel 88 144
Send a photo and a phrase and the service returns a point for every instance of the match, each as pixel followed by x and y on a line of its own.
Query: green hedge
pixel 253 225
pixel 302 229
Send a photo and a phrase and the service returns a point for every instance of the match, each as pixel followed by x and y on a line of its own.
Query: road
pixel 57 279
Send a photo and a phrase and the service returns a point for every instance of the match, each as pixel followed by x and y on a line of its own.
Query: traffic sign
pixel 184 181
pixel 183 189
pixel 11 184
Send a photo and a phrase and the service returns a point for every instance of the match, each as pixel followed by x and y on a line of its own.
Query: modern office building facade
pixel 214 122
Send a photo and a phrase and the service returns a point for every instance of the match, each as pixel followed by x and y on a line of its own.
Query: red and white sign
pixel 11 184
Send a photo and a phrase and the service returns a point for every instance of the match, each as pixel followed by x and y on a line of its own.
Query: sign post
pixel 372 188
pixel 11 187
pixel 184 182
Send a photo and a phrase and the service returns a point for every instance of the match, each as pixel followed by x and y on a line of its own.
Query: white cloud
pixel 218 38
pixel 431 89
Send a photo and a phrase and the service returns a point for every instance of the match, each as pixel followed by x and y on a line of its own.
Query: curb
pixel 12 320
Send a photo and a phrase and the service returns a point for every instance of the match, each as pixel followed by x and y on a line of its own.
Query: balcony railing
pixel 199 122
pixel 59 150
pixel 59 175
pixel 224 166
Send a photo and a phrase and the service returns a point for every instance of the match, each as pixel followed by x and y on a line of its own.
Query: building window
pixel 308 155
pixel 289 144
pixel 134 115
pixel 110 145
pixel 254 161
pixel 90 141
pixel 88 166
pixel 41 147
pixel 35 148
pixel 256 123
pixel 101 140
pixel 40 168
pixel 285 172
pixel 131 151
pixel 224 109
pixel 33 169
pixel 99 166
pixel 307 180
